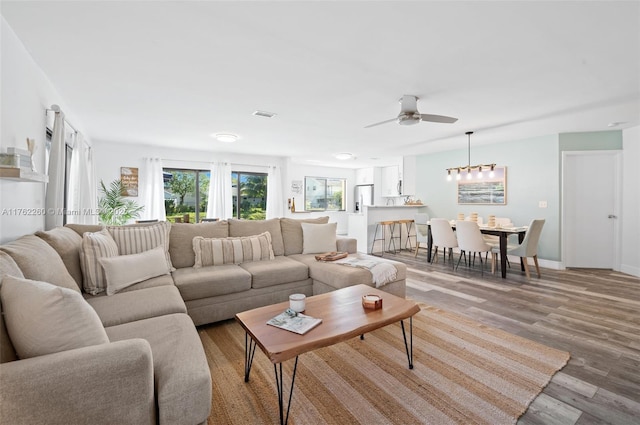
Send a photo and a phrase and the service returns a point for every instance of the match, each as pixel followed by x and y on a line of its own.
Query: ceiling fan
pixel 409 114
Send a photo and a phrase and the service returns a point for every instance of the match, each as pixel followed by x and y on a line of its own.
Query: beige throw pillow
pixel 137 239
pixel 318 238
pixel 94 247
pixel 42 318
pixel 218 251
pixel 125 270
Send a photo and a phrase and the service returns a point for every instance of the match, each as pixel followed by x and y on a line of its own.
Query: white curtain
pixel 54 199
pixel 275 199
pixel 153 191
pixel 82 203
pixel 220 199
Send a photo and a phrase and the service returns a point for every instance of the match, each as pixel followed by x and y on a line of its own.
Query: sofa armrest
pixel 346 244
pixel 101 384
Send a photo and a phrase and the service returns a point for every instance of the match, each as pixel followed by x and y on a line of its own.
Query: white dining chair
pixel 422 230
pixel 470 241
pixel 443 237
pixel 528 247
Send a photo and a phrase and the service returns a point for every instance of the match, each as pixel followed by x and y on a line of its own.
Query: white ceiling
pixel 172 73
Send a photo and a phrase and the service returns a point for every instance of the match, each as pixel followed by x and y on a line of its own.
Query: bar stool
pixel 383 225
pixel 408 224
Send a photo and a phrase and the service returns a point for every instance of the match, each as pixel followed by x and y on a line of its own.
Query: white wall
pixel 26 93
pixel 630 244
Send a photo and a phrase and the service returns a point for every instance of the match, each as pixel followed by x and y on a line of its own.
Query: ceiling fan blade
pixel 438 118
pixel 382 122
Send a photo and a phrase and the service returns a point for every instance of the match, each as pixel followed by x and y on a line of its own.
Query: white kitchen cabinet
pixel 364 176
pixel 391 185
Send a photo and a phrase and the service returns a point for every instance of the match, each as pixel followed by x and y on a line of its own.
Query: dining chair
pixel 442 237
pixel 470 241
pixel 422 230
pixel 529 246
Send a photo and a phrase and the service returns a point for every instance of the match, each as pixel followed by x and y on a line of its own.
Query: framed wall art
pixel 129 178
pixel 486 190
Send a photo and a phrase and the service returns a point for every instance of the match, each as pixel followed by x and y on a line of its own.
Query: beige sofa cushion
pixel 67 243
pixel 181 373
pixel 278 271
pixel 38 261
pixel 292 233
pixel 10 268
pixel 318 238
pixel 140 238
pixel 339 277
pixel 255 227
pixel 126 307
pixel 94 247
pixel 181 240
pixel 125 270
pixel 244 249
pixel 211 281
pixel 43 318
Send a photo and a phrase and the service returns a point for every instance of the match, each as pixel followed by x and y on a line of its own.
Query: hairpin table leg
pixel 279 378
pixel 409 347
pixel 249 351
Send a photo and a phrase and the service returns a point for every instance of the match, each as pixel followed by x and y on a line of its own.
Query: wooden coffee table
pixel 343 317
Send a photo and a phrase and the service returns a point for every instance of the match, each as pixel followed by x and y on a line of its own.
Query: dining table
pixel 503 234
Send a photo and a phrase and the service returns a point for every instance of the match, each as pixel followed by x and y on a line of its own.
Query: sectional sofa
pixel 129 351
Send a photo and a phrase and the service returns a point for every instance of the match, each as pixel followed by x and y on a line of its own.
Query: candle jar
pixel 297 302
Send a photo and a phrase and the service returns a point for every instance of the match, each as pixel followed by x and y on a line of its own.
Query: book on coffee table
pixel 300 324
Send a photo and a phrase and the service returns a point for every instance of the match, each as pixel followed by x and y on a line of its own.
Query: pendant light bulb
pixel 448 175
pixel 492 173
pixel 479 173
pixel 469 173
pixel 458 175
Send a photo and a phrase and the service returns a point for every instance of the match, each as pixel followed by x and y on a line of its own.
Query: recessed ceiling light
pixel 225 137
pixel 343 156
pixel 265 114
pixel 616 123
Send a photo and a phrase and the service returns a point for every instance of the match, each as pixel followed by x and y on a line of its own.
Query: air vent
pixel 264 114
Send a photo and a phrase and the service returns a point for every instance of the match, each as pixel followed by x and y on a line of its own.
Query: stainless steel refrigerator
pixel 363 196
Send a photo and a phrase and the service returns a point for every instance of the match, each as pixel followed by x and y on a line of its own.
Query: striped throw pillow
pixel 137 239
pixel 95 246
pixel 218 251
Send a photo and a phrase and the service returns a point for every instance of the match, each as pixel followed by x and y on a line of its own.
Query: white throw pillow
pixel 42 318
pixel 125 270
pixel 318 238
pixel 95 246
pixel 137 239
pixel 243 249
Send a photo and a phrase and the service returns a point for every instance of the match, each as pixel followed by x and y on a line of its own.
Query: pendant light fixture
pixel 469 168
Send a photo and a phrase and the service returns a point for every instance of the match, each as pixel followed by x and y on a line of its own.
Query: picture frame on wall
pixel 129 179
pixel 486 190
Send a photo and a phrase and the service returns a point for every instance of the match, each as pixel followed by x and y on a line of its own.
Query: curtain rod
pixel 56 108
pixel 209 162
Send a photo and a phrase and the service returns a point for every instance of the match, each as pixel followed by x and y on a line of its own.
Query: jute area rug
pixel 464 372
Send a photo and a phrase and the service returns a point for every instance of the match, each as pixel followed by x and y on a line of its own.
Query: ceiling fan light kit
pixel 469 168
pixel 409 114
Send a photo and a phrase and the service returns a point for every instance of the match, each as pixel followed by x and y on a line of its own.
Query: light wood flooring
pixel 593 314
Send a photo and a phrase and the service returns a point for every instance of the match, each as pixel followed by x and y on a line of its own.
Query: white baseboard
pixel 632 270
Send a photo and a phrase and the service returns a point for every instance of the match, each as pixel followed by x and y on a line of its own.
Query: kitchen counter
pixel 362 225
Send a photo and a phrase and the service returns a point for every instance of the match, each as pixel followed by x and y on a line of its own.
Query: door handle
pixel 612 216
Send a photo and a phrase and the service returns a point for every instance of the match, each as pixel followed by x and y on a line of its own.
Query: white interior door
pixel 590 194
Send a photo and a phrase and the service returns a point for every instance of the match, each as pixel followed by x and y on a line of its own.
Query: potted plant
pixel 113 207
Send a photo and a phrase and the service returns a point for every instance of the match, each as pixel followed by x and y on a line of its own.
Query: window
pixel 249 195
pixel 185 193
pixel 324 194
